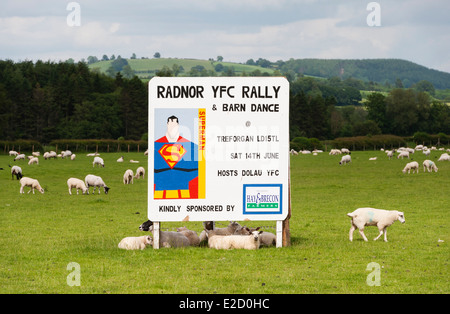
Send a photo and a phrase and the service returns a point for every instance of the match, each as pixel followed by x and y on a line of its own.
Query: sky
pixel 237 30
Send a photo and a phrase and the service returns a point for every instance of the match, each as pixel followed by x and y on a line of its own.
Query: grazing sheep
pixel 135 243
pixel 50 154
pixel 96 182
pixel 78 184
pixel 33 160
pixel 36 154
pixel 194 240
pixel 13 153
pixel 414 166
pixel 426 152
pixel 66 153
pixel 16 171
pixel 345 151
pixel 140 172
pixel 335 152
pixel 367 216
pixel 19 157
pixel 265 238
pixel 171 238
pixel 128 177
pixel 247 242
pixel 98 161
pixel 32 183
pixel 430 166
pixel 389 154
pixel 403 154
pixel 345 160
pixel 444 157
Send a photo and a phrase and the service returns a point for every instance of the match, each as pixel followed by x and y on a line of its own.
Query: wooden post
pixel 156 234
pixel 285 223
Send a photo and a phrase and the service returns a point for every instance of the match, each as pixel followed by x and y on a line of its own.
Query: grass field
pixel 42 233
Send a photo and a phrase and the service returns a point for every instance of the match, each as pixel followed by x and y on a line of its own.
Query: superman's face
pixel 173 128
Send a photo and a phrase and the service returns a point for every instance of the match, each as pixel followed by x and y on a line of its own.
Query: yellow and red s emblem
pixel 172 153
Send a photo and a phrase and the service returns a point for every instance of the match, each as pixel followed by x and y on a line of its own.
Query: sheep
pixel 368 216
pixel 229 230
pixel 444 157
pixel 50 154
pixel 293 152
pixel 247 242
pixel 32 183
pixel 426 152
pixel 13 153
pixel 16 171
pixel 120 159
pixel 430 166
pixel 135 243
pixel 140 172
pixel 96 182
pixel 73 156
pixel 194 240
pixel 33 160
pixel 389 154
pixel 134 161
pixel 145 226
pixel 372 158
pixel 403 154
pixel 66 153
pixel 128 176
pixel 36 154
pixel 414 166
pixel 345 151
pixel 78 184
pixel 265 238
pixel 19 157
pixel 171 238
pixel 335 152
pixel 98 161
pixel 92 154
pixel 345 160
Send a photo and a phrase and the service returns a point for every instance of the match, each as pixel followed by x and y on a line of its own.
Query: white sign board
pixel 218 148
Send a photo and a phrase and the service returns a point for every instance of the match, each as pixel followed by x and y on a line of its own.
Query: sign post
pixel 219 149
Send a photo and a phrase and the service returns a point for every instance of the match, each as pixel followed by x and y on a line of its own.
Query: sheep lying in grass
pixel 77 184
pixel 32 183
pixel 171 239
pixel 96 182
pixel 444 157
pixel 414 166
pixel 265 238
pixel 98 161
pixel 247 242
pixel 367 216
pixel 145 226
pixel 430 166
pixel 194 240
pixel 140 172
pixel 16 171
pixel 128 177
pixel 135 243
pixel 228 230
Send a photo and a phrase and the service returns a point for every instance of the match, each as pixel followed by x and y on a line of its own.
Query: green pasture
pixel 41 234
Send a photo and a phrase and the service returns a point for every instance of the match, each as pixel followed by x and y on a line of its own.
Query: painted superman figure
pixel 176 165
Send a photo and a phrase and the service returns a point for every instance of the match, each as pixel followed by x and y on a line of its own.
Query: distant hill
pixel 377 70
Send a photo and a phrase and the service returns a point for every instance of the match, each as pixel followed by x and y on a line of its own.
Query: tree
pixel 376 110
pixel 157 55
pixel 219 58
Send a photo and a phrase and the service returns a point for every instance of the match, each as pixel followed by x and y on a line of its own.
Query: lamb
pixel 16 171
pixel 78 184
pixel 414 166
pixel 13 153
pixel 171 238
pixel 345 159
pixel 32 183
pixel 444 157
pixel 33 160
pixel 120 159
pixel 128 177
pixel 98 161
pixel 389 154
pixel 36 154
pixel 265 238
pixel 426 152
pixel 430 166
pixel 373 158
pixel 403 154
pixel 135 243
pixel 229 230
pixel 96 182
pixel 345 151
pixel 367 216
pixel 145 226
pixel 140 172
pixel 194 240
pixel 19 157
pixel 247 242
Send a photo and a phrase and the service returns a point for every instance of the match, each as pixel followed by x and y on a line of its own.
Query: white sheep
pixel 389 154
pixel 19 157
pixel 50 154
pixel 134 161
pixel 93 154
pixel 16 171
pixel 194 240
pixel 135 243
pixel 66 153
pixel 373 158
pixel 345 151
pixel 73 156
pixel 120 159
pixel 345 160
pixel 13 153
pixel 96 182
pixel 32 183
pixel 414 166
pixel 228 230
pixel 171 238
pixel 98 161
pixel 335 152
pixel 403 154
pixel 128 177
pixel 33 160
pixel 444 157
pixel 247 242
pixel 77 184
pixel 430 166
pixel 368 216
pixel 265 238
pixel 140 172
pixel 36 154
